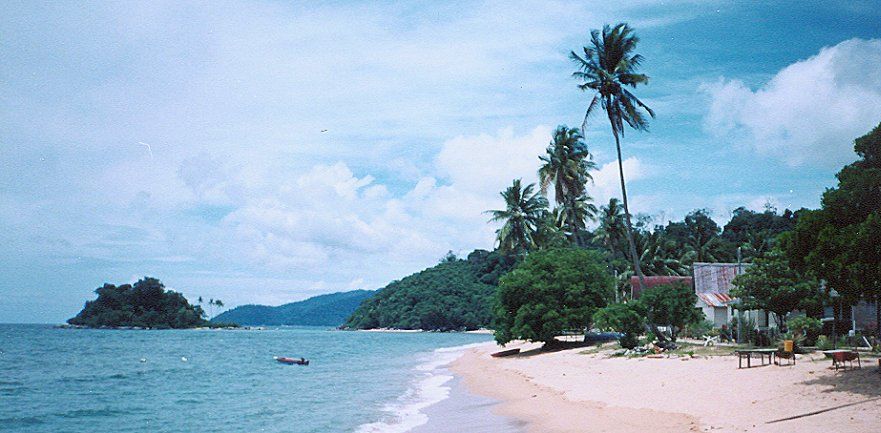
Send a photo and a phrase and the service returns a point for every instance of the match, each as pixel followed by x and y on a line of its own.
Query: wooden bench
pixel 748 353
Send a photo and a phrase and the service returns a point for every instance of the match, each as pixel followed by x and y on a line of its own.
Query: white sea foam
pixel 430 387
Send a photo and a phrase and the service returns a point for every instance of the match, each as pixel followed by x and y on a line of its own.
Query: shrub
pixel 824 343
pixel 623 318
pixel 699 329
pixel 805 327
pixel 671 305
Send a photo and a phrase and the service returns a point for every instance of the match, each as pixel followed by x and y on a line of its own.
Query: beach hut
pixel 712 285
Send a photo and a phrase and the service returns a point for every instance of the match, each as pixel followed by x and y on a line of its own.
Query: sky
pixel 266 152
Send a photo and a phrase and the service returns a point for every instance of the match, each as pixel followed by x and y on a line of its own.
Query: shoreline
pixel 481 331
pixel 579 390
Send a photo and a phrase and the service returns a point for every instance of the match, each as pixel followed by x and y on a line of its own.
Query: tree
pixel 659 255
pixel 624 318
pixel 522 217
pixel 770 284
pixel 549 235
pixel 550 291
pixel 572 217
pixel 702 242
pixel 756 232
pixel 607 68
pixel 611 228
pixel 670 305
pixel 839 242
pixel 450 256
pixel 567 165
pixel 144 304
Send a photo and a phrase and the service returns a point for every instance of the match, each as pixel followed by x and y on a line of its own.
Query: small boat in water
pixel 291 361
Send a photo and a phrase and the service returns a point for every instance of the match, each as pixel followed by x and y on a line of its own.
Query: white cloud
pixel 607 180
pixel 810 111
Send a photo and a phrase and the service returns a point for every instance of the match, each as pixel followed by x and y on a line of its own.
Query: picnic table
pixel 748 354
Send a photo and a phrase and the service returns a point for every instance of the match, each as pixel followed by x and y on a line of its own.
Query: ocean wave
pixel 428 389
pixel 23 421
pixel 88 413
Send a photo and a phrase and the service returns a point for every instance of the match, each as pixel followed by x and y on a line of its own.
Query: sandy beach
pixel 586 390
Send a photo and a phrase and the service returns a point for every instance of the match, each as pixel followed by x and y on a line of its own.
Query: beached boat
pixel 505 353
pixel 291 361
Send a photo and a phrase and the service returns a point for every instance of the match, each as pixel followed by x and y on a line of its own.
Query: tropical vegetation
pixel 606 69
pixel 549 292
pixel 567 263
pixel 841 242
pixel 453 295
pixel 145 304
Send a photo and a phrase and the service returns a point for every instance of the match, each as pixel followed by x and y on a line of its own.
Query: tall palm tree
pixel 567 165
pixel 607 68
pixel 523 215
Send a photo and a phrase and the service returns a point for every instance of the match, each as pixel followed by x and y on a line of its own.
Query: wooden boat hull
pixel 505 353
pixel 291 361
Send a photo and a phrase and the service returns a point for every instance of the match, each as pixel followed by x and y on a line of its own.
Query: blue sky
pixel 270 151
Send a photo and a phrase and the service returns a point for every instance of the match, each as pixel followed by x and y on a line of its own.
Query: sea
pixel 75 380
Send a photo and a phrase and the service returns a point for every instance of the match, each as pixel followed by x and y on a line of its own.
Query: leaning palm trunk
pixel 650 325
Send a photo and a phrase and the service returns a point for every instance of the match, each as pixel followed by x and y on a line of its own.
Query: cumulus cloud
pixel 607 180
pixel 810 111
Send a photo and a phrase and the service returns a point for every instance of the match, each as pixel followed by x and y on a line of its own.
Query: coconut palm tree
pixel 659 255
pixel 567 165
pixel 607 68
pixel 523 215
pixel 611 227
pixel 572 217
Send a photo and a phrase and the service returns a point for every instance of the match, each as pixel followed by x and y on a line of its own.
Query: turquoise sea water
pixel 74 380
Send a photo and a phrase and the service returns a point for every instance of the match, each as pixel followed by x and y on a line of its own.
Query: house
pixel 656 281
pixel 712 285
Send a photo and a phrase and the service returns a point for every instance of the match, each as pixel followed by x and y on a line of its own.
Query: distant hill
pixel 453 295
pixel 322 310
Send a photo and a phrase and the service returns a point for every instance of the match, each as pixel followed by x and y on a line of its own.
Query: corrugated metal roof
pixel 716 277
pixel 715 299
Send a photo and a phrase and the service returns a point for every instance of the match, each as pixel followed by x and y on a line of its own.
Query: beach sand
pixel 568 391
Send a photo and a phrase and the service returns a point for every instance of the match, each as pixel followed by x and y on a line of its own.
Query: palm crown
pixel 522 216
pixel 608 67
pixel 566 164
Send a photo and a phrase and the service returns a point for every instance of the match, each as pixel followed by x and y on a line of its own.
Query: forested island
pixel 146 304
pixel 457 294
pixel 324 310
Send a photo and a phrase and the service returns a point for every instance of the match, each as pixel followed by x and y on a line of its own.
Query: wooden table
pixel 840 356
pixel 748 353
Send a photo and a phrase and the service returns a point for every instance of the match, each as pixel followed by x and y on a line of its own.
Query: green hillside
pixel 454 295
pixel 323 310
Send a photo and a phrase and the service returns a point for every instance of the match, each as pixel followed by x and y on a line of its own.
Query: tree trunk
pixel 878 317
pixel 629 232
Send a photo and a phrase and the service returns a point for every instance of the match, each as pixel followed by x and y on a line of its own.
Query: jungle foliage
pixel 145 304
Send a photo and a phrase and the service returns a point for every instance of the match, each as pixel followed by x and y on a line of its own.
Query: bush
pixel 551 290
pixel 808 328
pixel 824 343
pixel 671 305
pixel 700 329
pixel 623 318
